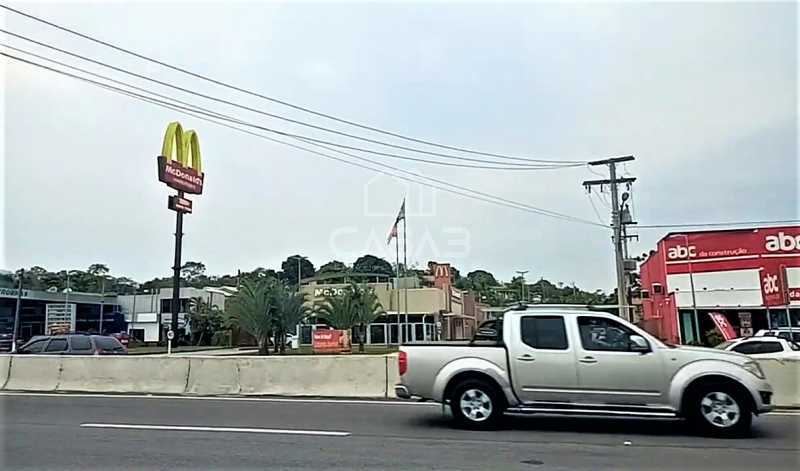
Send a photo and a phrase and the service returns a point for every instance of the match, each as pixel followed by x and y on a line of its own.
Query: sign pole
pixel 176 269
pixel 786 299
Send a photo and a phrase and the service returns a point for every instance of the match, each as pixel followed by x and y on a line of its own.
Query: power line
pixel 594 207
pixel 498 166
pixel 718 224
pixel 281 102
pixel 213 117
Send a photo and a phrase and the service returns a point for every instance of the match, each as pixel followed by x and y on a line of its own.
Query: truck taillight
pixel 402 362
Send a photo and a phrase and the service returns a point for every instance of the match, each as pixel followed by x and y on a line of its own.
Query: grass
pixel 155 349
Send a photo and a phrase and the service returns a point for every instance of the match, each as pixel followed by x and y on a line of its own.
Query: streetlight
pixel 102 302
pixel 522 273
pixel 300 258
pixel 66 296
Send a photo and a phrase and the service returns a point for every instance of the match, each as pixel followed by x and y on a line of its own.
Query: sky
pixel 704 95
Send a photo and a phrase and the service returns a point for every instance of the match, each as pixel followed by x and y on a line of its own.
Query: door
pixel 609 372
pixel 542 360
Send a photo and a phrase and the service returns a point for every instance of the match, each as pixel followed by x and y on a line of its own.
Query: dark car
pixel 5 341
pixel 73 344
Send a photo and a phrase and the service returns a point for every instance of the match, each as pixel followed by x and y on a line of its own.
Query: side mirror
pixel 637 343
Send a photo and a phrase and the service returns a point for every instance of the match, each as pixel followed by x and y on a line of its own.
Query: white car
pixel 781 332
pixel 763 347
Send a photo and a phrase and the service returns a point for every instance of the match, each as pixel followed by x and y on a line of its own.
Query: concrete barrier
pixel 5 365
pixel 335 375
pixel 130 374
pixel 33 373
pixel 784 376
pixel 392 374
pixel 209 376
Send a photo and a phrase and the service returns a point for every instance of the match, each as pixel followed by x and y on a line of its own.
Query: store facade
pixel 691 277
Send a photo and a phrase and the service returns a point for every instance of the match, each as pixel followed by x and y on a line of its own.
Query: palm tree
pixel 291 311
pixel 367 310
pixel 338 311
pixel 253 309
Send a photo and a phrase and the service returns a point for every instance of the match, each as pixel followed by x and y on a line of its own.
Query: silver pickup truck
pixel 580 362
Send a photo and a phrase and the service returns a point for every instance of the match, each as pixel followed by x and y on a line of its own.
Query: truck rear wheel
pixel 719 409
pixel 476 404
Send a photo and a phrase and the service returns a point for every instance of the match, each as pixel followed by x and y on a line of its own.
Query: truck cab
pixel 582 362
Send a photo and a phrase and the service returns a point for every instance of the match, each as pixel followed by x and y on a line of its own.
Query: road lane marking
pixel 192 428
pixel 374 402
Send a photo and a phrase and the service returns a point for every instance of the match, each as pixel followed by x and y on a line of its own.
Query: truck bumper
pixel 401 391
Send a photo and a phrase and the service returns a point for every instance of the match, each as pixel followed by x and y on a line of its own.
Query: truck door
pixel 542 359
pixel 609 372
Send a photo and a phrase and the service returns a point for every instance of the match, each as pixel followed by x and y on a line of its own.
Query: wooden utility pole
pixel 616 224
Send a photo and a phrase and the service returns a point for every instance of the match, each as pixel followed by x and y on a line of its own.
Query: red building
pixel 693 274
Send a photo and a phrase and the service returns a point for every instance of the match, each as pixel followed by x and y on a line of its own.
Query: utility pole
pixel 521 273
pixel 616 224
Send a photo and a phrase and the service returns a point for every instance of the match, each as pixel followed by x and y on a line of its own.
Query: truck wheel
pixel 719 409
pixel 476 404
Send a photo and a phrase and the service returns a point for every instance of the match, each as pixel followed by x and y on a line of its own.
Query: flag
pixel 392 233
pixel 402 214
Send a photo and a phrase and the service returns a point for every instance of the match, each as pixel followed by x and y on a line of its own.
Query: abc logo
pixel 770 284
pixel 680 251
pixel 782 242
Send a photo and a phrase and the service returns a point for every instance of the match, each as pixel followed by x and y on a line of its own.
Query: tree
pixel 372 264
pixel 291 311
pixel 367 308
pixel 252 309
pixel 482 278
pixel 98 269
pixel 334 266
pixel 192 271
pixel 289 269
pixel 205 320
pixel 338 311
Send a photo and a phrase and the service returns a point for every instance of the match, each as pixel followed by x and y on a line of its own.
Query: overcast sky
pixel 704 95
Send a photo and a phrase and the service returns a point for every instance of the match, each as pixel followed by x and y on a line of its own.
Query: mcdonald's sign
pixel 180 164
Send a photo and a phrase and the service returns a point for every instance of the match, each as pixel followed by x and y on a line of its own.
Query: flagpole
pixel 405 267
pixel 397 282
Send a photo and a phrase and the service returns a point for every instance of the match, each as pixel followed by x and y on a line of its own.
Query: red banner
pixel 727 330
pixel 331 341
pixel 774 290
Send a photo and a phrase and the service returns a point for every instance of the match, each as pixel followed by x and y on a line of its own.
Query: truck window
pixel 770 347
pixel 747 348
pixel 56 345
pixel 544 332
pixel 599 333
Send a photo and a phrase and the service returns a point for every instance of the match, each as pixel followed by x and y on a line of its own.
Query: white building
pixel 149 315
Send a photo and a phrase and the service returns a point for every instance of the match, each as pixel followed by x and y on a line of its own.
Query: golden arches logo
pixel 180 163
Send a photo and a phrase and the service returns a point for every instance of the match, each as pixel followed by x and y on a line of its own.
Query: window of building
pixel 544 332
pixel 602 334
pixel 166 305
pixel 56 345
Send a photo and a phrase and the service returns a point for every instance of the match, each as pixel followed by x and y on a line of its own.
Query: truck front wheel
pixel 719 409
pixel 476 404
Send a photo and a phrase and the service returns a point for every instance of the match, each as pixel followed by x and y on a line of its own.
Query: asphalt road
pixel 58 432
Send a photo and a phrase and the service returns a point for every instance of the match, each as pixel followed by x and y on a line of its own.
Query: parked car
pixel 73 344
pixel 6 339
pixel 578 362
pixel 122 337
pixel 781 332
pixel 762 347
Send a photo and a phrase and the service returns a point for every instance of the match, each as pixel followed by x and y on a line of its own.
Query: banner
pixel 331 341
pixel 728 332
pixel 773 285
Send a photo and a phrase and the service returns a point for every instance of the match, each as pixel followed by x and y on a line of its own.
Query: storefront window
pixel 377 333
